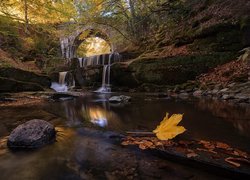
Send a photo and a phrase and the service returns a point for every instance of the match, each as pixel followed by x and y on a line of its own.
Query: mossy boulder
pixel 167 71
pixel 121 76
pixel 11 85
pixel 24 76
pixel 218 38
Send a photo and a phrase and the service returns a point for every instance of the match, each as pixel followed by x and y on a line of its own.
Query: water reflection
pixel 3 145
pixel 86 110
pixel 98 117
pixel 239 116
pixel 87 153
pixel 203 119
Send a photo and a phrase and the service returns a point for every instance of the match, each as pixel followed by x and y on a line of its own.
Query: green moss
pixel 4 64
pixel 177 70
pixel 24 76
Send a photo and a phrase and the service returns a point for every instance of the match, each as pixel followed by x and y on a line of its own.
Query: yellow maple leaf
pixel 168 128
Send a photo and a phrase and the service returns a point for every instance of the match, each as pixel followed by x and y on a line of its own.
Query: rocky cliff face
pixel 166 71
pixel 17 80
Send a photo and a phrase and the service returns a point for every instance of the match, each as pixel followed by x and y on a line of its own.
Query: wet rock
pixel 183 95
pixel 25 76
pixel 64 96
pixel 197 93
pixel 11 85
pixel 209 92
pixel 215 91
pixel 226 97
pixel 32 134
pixel 231 85
pixel 242 97
pixel 224 90
pixel 120 99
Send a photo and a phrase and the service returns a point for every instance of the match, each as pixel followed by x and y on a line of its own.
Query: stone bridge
pixel 70 43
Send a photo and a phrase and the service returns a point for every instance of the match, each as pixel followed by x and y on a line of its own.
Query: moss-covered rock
pixel 24 76
pixel 218 38
pixel 11 85
pixel 122 76
pixel 168 71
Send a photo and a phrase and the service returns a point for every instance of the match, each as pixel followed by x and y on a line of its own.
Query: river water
pixel 85 149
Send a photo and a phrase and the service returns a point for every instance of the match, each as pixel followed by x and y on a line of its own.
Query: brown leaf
pixel 230 160
pixel 142 146
pixel 240 153
pixel 168 143
pixel 224 146
pixel 147 143
pixel 206 150
pixel 158 143
pixel 185 143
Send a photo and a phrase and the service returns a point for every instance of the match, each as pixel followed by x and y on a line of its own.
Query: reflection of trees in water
pixel 71 113
pixel 238 115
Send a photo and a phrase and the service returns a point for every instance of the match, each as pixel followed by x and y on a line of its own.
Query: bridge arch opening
pixel 92 42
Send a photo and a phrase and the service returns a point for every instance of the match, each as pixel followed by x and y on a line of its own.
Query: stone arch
pixel 91 33
pixel 69 43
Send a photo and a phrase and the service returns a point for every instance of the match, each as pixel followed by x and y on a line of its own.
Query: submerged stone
pixel 120 99
pixel 32 134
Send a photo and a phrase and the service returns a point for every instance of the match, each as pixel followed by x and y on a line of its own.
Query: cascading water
pixel 80 62
pixel 62 86
pixel 104 87
pixel 106 60
pixel 62 76
pixel 100 60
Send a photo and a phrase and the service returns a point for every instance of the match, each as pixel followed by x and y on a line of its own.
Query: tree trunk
pixel 133 17
pixel 26 16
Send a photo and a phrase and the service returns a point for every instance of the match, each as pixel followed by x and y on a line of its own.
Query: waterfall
pixel 62 76
pixel 99 60
pixel 109 64
pixel 105 60
pixel 83 62
pixel 80 62
pixel 66 47
pixel 104 75
pixel 62 86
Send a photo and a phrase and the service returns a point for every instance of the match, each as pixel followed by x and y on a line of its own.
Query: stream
pixel 86 145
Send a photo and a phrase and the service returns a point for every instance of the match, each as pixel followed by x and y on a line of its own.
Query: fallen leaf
pixel 230 160
pixel 125 143
pixel 240 153
pixel 185 143
pixel 168 128
pixel 142 146
pixel 147 143
pixel 224 146
pixel 206 150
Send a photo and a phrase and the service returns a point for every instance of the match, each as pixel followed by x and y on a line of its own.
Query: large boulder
pixel 122 76
pixel 32 134
pixel 25 76
pixel 11 85
pixel 176 70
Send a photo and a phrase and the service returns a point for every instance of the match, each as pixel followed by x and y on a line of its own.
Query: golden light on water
pixel 98 117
